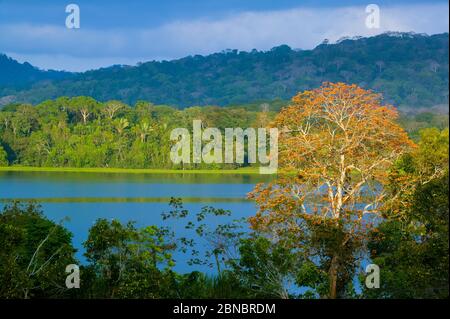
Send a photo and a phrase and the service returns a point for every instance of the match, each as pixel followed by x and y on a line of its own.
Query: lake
pixel 85 197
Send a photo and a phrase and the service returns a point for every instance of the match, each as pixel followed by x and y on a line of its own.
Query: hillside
pixel 15 74
pixel 411 70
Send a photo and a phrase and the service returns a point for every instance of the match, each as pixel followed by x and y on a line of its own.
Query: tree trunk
pixel 85 115
pixel 216 256
pixel 333 277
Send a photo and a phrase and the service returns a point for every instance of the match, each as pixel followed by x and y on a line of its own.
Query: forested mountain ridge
pixel 410 70
pixel 15 74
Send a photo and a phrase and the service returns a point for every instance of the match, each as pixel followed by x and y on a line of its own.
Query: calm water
pixel 85 197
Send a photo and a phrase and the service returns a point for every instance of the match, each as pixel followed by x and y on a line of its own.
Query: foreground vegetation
pixel 352 188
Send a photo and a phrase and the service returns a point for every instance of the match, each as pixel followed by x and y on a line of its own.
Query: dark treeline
pixel 83 132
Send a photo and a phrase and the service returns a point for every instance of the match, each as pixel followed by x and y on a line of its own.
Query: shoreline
pixel 127 200
pixel 239 171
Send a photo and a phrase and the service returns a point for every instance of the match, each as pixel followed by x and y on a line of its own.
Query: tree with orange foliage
pixel 336 146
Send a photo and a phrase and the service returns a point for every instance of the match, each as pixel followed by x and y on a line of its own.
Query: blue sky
pixel 127 32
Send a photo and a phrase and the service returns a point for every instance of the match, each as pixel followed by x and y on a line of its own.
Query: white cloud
pixel 54 46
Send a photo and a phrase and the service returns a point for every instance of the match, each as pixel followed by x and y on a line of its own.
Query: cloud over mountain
pixel 54 46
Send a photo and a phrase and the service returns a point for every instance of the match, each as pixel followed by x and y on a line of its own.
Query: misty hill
pixel 411 70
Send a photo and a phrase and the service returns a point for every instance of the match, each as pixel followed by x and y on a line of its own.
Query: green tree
pixel 413 254
pixel 128 263
pixel 3 156
pixel 84 107
pixel 411 244
pixel 34 255
pixel 268 270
